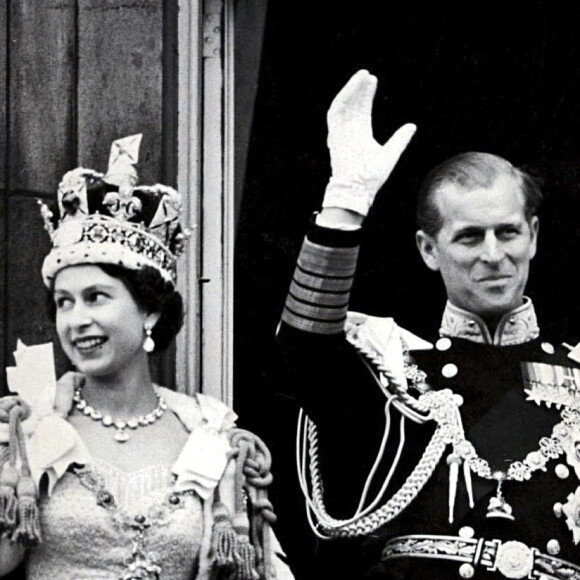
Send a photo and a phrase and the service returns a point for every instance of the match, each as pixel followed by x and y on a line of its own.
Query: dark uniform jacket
pixel 324 374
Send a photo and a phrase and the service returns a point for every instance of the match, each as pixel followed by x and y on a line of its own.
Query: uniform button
pixel 558 509
pixel 466 571
pixel 471 322
pixel 449 370
pixel 466 532
pixel 512 320
pixel 553 547
pixel 562 471
pixel 443 344
pixel 548 348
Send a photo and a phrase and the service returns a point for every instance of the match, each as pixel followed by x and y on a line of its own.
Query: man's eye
pixel 509 233
pixel 468 238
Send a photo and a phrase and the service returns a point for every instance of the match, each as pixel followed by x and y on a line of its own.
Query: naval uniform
pixel 503 417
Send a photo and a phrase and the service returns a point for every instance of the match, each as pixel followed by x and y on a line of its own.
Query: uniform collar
pixel 515 327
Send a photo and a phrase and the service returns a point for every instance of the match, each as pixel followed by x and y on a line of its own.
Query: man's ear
pixel 534 229
pixel 428 250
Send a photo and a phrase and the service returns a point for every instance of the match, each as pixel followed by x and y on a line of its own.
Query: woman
pixel 134 480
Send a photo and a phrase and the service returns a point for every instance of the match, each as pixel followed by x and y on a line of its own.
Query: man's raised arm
pixel 319 293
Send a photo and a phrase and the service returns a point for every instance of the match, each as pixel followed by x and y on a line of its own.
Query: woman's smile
pixel 90 344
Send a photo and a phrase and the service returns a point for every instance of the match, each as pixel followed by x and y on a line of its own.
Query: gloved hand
pixel 62 404
pixel 360 165
pixel 10 401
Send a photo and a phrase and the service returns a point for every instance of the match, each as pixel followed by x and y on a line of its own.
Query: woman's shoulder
pixel 199 408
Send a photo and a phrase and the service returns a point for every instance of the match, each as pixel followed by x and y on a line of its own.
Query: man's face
pixel 484 247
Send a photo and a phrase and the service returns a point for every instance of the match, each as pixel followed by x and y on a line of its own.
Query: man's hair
pixel 470 171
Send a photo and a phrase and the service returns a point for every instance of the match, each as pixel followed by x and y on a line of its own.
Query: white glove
pixel 360 166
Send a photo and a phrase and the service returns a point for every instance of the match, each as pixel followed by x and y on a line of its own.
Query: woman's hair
pixel 152 293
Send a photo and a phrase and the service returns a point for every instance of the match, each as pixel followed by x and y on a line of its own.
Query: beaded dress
pixel 100 522
pixel 71 515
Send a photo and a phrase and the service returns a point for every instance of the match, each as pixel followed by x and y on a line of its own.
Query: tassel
pixel 8 502
pixel 28 530
pixel 453 461
pixel 245 556
pixel 244 552
pixel 223 538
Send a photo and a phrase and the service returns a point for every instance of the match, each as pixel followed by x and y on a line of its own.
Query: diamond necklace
pixel 121 426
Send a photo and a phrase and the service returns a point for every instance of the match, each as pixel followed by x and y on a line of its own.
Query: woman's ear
pixel 428 250
pixel 152 318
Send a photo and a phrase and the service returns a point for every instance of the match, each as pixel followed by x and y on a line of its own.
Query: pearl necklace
pixel 121 426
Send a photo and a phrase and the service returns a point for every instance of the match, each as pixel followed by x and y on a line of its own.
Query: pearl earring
pixel 148 343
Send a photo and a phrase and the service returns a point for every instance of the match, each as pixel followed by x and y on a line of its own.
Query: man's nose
pixel 492 250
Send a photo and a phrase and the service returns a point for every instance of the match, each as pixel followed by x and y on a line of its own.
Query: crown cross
pixel 125 148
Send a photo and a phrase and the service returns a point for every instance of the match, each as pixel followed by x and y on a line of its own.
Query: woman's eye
pixel 62 303
pixel 97 297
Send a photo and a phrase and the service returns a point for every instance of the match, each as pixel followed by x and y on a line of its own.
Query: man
pixel 478 227
pixel 457 458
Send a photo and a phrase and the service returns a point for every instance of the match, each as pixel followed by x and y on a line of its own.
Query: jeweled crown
pixel 107 218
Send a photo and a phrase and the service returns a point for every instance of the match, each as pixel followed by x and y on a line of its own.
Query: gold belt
pixel 512 559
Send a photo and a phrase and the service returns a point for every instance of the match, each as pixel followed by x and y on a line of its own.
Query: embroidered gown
pixel 71 516
pixel 99 522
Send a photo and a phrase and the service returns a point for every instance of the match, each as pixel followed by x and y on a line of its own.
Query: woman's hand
pixel 62 405
pixel 8 403
pixel 360 165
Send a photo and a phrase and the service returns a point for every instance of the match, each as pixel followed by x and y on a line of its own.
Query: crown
pixel 107 218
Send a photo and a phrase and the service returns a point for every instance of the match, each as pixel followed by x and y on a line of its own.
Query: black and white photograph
pixel 289 290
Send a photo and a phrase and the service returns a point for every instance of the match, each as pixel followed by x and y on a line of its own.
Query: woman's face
pixel 99 324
